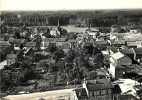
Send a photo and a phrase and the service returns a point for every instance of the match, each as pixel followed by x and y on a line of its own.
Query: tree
pixel 98 60
pixel 52 48
pixel 58 54
pixel 70 56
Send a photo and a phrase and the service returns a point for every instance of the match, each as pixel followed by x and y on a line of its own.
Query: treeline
pixel 95 19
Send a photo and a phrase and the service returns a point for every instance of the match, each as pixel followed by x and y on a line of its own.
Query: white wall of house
pixel 112 70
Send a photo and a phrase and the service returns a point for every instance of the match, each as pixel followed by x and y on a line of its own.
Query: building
pixel 129 71
pixel 100 89
pixel 92 32
pixel 131 44
pixel 101 44
pixel 4 44
pixel 133 37
pixel 120 59
pixel 30 44
pixel 127 89
pixel 81 94
pixel 115 29
pixel 133 53
pixel 118 43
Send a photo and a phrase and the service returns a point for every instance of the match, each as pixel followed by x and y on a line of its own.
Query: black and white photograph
pixel 70 54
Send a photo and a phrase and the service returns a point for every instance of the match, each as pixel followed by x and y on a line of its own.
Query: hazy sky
pixel 68 4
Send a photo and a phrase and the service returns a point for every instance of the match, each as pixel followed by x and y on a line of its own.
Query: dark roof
pixel 131 43
pixel 11 56
pixel 116 89
pixel 55 39
pixel 72 40
pixel 30 44
pixel 130 51
pixel 101 42
pixel 127 51
pixel 101 72
pixel 4 43
pixel 93 85
pixel 134 68
pixel 119 42
pixel 138 50
pixel 137 69
pixel 19 41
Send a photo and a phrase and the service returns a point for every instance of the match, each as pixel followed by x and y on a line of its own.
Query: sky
pixel 12 5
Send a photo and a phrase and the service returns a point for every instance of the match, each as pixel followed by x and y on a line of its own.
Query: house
pixel 81 94
pixel 118 43
pixel 135 53
pixel 131 44
pixel 135 69
pixel 135 30
pixel 102 73
pixel 134 43
pixel 4 44
pixel 120 59
pixel 117 36
pixel 111 70
pixel 72 43
pixel 54 39
pixel 139 44
pixel 133 37
pixel 100 89
pixel 92 32
pixel 138 52
pixel 115 28
pixel 123 97
pixel 44 45
pixel 128 89
pixel 59 42
pixel 30 44
pixel 101 44
pixel 124 71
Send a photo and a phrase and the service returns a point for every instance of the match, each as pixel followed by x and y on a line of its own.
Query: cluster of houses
pixel 124 72
pixel 125 60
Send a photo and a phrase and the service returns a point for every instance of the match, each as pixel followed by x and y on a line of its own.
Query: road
pixel 48 95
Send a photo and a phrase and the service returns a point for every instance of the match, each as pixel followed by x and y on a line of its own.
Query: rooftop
pixel 11 56
pixel 117 55
pixel 98 84
pixel 130 51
